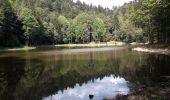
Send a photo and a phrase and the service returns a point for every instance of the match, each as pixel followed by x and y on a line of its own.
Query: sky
pixel 106 3
pixel 106 87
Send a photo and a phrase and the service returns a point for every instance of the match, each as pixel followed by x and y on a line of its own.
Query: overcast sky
pixel 106 3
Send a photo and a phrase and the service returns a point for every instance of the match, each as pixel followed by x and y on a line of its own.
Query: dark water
pixel 73 74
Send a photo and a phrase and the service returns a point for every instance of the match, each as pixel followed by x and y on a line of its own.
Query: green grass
pixel 24 48
pixel 93 44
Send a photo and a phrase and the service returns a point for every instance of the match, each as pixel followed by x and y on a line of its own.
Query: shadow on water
pixel 11 71
pixel 36 75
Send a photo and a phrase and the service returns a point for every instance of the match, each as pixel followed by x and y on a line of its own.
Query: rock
pixel 91 96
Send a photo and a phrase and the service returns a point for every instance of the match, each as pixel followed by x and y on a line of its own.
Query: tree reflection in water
pixel 35 75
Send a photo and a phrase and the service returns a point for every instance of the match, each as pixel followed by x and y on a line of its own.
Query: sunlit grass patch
pixel 93 44
pixel 24 48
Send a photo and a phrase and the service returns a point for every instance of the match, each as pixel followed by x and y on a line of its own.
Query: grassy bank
pixel 92 44
pixel 24 48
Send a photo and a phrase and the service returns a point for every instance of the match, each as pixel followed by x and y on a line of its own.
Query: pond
pixel 77 73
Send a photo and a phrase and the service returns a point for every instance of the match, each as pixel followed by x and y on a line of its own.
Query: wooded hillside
pixel 46 22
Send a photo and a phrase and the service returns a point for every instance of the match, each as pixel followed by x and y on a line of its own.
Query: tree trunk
pixel 90 30
pixel 150 35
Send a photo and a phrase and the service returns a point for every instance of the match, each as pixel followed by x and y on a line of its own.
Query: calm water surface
pixel 73 74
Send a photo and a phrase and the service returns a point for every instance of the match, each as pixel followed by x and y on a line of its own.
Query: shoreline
pixel 25 48
pixel 92 44
pixel 165 51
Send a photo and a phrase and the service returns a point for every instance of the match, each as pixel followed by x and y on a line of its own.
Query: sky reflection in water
pixel 107 87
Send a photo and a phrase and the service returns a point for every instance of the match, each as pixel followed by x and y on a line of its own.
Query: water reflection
pixel 107 87
pixel 37 75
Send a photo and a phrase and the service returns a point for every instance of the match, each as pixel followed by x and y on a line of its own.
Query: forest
pixel 49 22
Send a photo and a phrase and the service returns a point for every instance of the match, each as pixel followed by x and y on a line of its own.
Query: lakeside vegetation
pixel 23 48
pixel 55 22
pixel 91 44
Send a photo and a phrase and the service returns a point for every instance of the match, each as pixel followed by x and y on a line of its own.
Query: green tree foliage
pixel 84 22
pixel 161 23
pixel 144 17
pixel 10 26
pixel 31 25
pixel 99 29
pixel 153 17
pixel 77 29
pixel 1 18
pixel 65 29
pixel 41 22
pixel 124 29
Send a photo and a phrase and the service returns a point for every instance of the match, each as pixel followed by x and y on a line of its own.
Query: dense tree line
pixel 153 16
pixel 10 26
pixel 44 22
